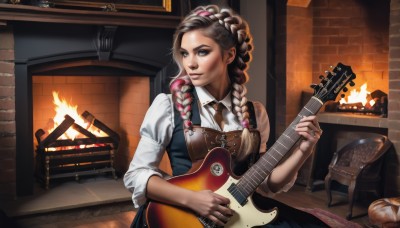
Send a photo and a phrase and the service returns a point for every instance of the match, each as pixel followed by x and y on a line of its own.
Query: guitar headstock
pixel 334 82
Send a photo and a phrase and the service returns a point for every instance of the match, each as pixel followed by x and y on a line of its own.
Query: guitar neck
pixel 264 166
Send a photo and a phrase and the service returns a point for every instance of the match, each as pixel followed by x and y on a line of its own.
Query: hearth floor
pixel 68 195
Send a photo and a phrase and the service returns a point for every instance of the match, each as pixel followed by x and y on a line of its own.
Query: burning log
pixel 88 155
pixel 54 135
pixel 363 102
pixel 97 123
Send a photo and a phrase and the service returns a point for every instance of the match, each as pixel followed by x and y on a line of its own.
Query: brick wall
pixel 7 114
pixel 298 58
pixel 394 94
pixel 134 101
pixel 348 33
pixel 339 33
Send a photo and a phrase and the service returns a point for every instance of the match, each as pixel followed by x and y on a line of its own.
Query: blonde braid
pixel 181 91
pixel 228 30
pixel 237 71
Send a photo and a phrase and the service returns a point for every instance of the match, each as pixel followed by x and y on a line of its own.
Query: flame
pixel 62 108
pixel 358 97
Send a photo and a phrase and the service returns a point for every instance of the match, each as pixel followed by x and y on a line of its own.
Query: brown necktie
pixel 218 107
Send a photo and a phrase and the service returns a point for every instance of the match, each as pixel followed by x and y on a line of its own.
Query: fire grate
pixel 87 155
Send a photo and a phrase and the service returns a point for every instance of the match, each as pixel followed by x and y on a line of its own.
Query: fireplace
pixel 73 144
pixel 112 72
pixel 106 111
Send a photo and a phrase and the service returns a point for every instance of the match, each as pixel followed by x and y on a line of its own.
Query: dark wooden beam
pixel 10 12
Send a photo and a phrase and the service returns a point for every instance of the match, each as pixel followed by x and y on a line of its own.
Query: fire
pixel 358 97
pixel 62 108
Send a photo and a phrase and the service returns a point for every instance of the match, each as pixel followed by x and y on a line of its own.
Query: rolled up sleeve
pixel 155 132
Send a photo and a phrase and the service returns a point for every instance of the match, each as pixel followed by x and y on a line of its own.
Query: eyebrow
pixel 196 48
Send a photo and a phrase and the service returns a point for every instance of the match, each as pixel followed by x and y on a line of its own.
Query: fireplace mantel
pixel 353 119
pixel 10 12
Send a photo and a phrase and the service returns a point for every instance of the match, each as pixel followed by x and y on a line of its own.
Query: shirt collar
pixel 206 98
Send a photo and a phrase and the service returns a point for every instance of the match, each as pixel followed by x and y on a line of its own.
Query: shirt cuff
pixel 264 188
pixel 139 194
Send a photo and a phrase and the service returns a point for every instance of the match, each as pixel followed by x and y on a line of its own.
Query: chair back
pixel 364 154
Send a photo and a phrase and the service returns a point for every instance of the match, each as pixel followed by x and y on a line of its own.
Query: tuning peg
pixel 321 77
pixel 351 83
pixel 327 72
pixel 345 89
pixel 313 86
pixel 342 95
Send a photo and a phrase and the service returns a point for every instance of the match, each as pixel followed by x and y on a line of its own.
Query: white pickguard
pixel 247 215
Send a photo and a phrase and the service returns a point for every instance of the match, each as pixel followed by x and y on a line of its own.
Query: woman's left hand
pixel 308 128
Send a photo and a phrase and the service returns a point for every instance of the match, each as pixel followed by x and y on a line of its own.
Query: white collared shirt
pixel 156 133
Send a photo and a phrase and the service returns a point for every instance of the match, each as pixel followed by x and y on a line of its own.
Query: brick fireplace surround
pixel 9 79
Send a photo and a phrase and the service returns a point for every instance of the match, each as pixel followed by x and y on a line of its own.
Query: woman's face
pixel 203 60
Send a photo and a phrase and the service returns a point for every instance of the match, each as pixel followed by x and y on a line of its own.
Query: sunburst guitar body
pixel 214 174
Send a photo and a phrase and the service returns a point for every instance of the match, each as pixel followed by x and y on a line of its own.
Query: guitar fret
pixel 287 136
pixel 266 174
pixel 308 110
pixel 270 163
pixel 249 183
pixel 255 175
pixel 279 153
pixel 246 189
pixel 282 144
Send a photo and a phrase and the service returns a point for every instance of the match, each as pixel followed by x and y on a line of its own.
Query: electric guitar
pixel 216 175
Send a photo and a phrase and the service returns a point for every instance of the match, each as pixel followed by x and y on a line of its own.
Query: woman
pixel 212 48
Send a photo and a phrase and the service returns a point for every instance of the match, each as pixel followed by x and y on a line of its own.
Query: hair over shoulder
pixel 228 29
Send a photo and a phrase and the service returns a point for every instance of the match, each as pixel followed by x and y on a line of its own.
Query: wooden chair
pixel 357 166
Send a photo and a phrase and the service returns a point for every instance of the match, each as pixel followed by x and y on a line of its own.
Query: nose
pixel 192 63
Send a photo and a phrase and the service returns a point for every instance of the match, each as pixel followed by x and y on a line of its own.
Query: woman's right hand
pixel 211 205
pixel 205 202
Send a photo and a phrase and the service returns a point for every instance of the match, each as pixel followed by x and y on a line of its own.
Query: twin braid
pixel 237 69
pixel 181 91
pixel 238 28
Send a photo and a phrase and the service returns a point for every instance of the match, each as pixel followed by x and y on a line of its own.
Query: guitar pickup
pixel 234 191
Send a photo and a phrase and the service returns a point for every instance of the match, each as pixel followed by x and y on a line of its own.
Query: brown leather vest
pixel 201 140
pixel 188 148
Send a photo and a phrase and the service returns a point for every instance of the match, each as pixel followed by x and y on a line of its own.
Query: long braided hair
pixel 228 30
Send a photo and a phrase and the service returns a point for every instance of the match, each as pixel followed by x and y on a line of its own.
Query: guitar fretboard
pixel 264 166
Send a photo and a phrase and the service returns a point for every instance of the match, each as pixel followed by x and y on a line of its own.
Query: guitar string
pixel 255 175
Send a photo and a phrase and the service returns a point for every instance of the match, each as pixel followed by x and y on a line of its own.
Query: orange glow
pixel 62 108
pixel 358 96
